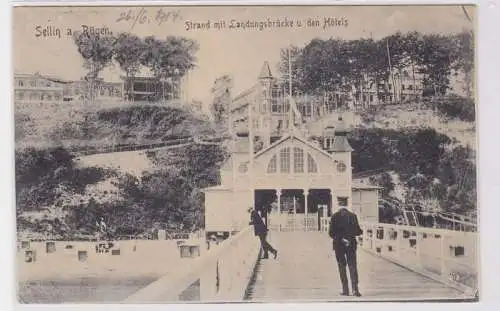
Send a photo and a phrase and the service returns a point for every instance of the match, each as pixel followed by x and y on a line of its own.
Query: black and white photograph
pixel 272 154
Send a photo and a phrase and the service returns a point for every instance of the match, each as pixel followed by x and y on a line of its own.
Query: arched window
pixel 271 167
pixel 285 160
pixel 298 160
pixel 311 164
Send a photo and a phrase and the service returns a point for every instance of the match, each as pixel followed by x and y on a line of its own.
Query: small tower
pixel 265 76
pixel 340 149
pixel 328 136
pixel 266 81
pixel 263 110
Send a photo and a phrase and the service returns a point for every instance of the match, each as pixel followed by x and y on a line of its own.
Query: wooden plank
pixel 306 269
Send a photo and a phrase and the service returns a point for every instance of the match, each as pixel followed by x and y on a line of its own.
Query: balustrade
pixel 444 255
pixel 222 275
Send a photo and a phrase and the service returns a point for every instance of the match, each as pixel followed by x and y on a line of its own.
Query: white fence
pixel 293 222
pixel 447 256
pixel 222 275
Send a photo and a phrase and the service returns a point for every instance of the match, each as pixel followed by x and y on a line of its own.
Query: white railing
pixel 447 256
pixel 222 275
pixel 293 222
pixel 324 224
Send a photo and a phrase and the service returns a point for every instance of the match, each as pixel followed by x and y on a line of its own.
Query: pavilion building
pixel 295 182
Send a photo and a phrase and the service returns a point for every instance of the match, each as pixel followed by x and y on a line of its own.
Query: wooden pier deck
pixel 306 270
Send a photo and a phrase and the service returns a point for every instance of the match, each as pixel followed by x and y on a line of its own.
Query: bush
pixel 456 107
pixel 40 172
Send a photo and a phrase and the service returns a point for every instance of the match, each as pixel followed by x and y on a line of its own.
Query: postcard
pixel 178 154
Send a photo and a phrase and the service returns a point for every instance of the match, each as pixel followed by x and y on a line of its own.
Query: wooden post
pixel 442 258
pixel 306 194
pixel 278 193
pixel 417 247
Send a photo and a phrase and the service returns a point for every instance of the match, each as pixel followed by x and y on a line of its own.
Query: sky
pixel 236 52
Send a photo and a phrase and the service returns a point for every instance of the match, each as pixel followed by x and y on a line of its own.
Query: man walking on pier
pixel 344 228
pixel 260 230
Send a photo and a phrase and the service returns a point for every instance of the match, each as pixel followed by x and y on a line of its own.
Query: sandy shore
pixel 60 277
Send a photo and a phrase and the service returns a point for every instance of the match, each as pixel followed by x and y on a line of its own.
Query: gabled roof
pixel 288 137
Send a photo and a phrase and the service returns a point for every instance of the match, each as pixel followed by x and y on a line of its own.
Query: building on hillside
pixel 402 86
pixel 80 90
pixel 145 87
pixel 37 88
pixel 42 89
pixel 295 183
pixel 270 113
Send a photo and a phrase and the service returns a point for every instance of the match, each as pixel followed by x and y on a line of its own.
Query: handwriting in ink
pixel 164 16
pixel 141 16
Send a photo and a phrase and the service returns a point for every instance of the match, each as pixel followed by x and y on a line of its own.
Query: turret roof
pixel 265 72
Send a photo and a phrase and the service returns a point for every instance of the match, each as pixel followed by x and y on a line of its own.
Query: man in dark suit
pixel 344 228
pixel 260 230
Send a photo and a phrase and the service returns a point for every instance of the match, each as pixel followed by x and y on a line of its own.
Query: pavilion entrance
pixel 294 209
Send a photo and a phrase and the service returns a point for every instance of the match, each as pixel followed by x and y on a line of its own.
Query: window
pixel 33 83
pixel 21 83
pixel 371 98
pixel 342 201
pixel 285 160
pixel 298 160
pixel 403 87
pixel 271 167
pixel 410 87
pixel 243 168
pixel 311 165
pixel 341 167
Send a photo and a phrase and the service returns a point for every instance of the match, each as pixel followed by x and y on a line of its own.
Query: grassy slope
pixel 84 124
pixel 78 125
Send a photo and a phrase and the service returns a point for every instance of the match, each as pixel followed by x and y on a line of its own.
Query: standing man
pixel 260 230
pixel 101 228
pixel 344 228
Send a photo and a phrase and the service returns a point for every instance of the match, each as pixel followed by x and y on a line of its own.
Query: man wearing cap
pixel 260 230
pixel 344 228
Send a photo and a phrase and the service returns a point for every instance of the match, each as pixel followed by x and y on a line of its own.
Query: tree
pixel 97 52
pixel 169 59
pixel 291 57
pixel 129 50
pixel 221 100
pixel 464 60
pixel 385 181
pixel 436 58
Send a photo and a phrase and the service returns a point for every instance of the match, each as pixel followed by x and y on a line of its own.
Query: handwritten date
pixel 143 16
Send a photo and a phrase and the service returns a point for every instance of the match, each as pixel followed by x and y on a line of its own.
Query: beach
pixel 59 277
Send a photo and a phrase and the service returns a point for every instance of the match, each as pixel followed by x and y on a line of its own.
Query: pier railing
pixel 447 256
pixel 221 275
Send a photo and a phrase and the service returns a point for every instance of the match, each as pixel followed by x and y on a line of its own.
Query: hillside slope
pixel 78 124
pixel 403 116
